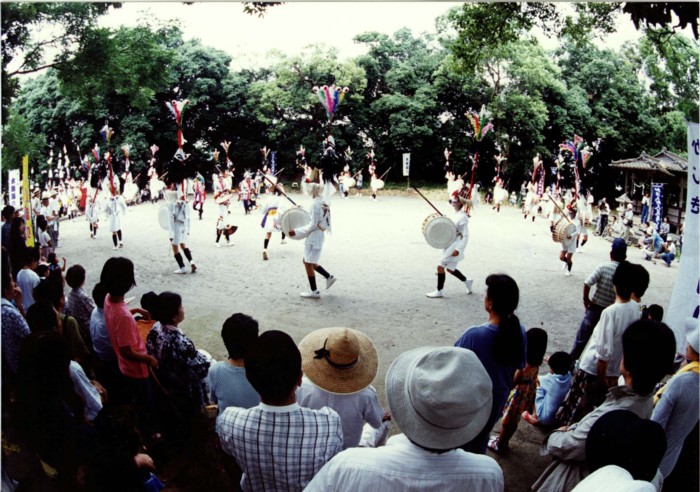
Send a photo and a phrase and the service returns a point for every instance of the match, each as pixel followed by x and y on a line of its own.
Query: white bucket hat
pixel 440 397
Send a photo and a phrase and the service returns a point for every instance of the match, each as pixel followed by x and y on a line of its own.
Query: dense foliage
pixel 408 93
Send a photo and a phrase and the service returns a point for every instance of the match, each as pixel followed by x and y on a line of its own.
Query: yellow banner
pixel 27 201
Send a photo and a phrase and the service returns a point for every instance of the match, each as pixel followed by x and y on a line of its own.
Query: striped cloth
pixel 602 278
pixel 279 448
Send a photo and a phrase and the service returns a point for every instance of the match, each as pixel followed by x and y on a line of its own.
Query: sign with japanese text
pixel 13 188
pixel 406 164
pixel 657 204
pixel 685 299
pixel 273 162
pixel 27 200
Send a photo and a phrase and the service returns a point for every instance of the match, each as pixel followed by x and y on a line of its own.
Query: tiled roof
pixel 665 162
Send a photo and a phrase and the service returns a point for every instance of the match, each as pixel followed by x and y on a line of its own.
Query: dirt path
pixel 384 267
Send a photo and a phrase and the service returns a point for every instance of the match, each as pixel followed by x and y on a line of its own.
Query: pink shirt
pixel 123 332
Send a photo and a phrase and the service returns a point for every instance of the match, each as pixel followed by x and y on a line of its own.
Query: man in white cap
pixel 440 398
pixel 677 404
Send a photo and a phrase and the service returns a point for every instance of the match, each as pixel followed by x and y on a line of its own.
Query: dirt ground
pixel 384 268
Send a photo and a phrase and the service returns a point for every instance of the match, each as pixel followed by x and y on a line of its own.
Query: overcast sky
pixel 294 25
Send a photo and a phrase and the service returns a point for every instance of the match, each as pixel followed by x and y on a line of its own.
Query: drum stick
pixel 279 171
pixel 358 172
pixel 559 208
pixel 429 203
pixel 282 192
pixel 387 172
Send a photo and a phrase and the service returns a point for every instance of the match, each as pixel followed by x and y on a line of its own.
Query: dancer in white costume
pixel 454 253
pixel 179 225
pixel 320 223
pixel 114 208
pixel 272 212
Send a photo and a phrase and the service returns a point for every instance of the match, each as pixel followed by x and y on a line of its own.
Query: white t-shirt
pixel 27 279
pixel 606 339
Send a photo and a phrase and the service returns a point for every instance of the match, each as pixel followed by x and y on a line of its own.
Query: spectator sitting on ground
pixel 654 246
pixel 14 327
pixel 552 390
pixel 278 444
pixel 143 315
pixel 339 364
pixel 226 379
pixel 653 313
pixel 677 404
pixel 439 398
pixel 78 304
pixel 668 252
pixel 50 318
pixel 55 264
pixel 181 368
pixel 27 279
pixel 623 452
pixel 615 228
pixel 648 352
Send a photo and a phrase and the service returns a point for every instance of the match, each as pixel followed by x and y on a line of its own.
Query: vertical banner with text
pixel 685 299
pixel 13 188
pixel 273 162
pixel 27 202
pixel 657 204
pixel 406 164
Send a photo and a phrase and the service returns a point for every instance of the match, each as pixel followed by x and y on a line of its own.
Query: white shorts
pixel 179 233
pixel 311 254
pixel 569 247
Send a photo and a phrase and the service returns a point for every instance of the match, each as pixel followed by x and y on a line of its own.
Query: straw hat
pixel 440 397
pixel 339 360
pixel 45 195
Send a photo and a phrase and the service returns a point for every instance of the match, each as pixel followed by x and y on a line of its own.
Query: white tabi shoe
pixel 180 270
pixel 468 284
pixel 435 294
pixel 330 281
pixel 312 294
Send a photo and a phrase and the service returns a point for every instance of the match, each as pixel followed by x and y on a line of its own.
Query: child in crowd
pixel 45 240
pixel 27 278
pixel 339 364
pixel 227 382
pixel 78 303
pixel 653 312
pixel 54 264
pixel 522 397
pixel 551 391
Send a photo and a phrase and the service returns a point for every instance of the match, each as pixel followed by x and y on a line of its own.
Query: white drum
pixel 293 219
pixel 164 217
pixel 439 231
pixel 348 182
pixel 377 184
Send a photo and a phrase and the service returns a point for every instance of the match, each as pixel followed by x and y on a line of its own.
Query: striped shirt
pixel 279 448
pixel 602 278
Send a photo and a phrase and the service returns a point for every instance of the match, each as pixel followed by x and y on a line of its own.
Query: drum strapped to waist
pixel 293 219
pixel 348 182
pixel 377 184
pixel 562 229
pixel 223 198
pixel 439 231
pixel 164 217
